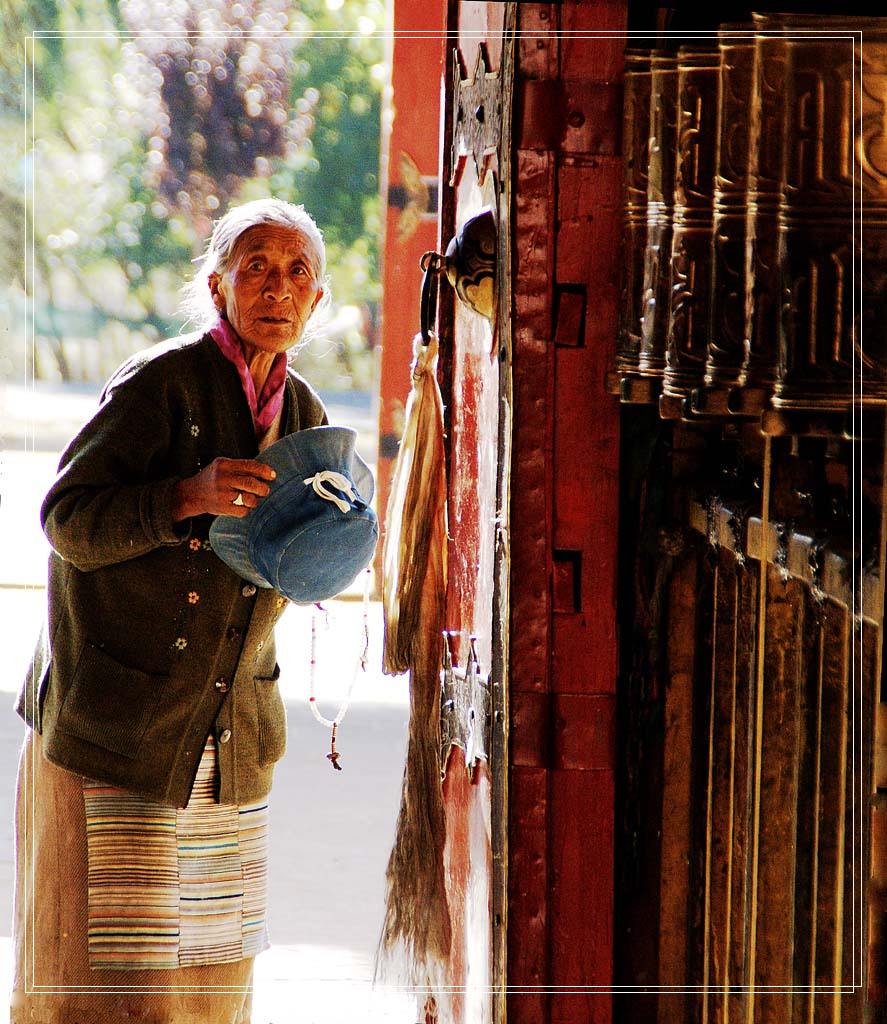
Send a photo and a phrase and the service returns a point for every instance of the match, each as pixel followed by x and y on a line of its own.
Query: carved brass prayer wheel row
pixel 755 221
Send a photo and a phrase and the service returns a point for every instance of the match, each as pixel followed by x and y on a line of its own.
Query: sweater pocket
pixel 109 704
pixel 271 716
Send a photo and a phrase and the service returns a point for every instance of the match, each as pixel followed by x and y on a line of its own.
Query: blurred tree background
pixel 138 122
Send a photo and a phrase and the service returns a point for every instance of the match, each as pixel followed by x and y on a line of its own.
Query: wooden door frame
pixel 499 668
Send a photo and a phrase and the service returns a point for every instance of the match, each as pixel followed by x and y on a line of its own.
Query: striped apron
pixel 175 887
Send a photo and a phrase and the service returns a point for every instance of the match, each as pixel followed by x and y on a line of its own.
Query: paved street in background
pixel 330 831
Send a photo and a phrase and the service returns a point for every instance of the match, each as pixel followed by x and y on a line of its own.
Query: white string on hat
pixel 362 662
pixel 340 482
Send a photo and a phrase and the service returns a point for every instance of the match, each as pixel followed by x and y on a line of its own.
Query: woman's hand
pixel 213 490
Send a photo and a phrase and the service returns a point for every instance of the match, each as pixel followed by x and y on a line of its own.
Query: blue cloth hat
pixel 312 535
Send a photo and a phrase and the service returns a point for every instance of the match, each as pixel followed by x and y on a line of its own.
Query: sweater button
pixel 222 685
pixel 224 736
pixel 248 590
pixel 234 632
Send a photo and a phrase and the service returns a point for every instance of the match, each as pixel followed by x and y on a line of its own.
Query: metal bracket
pixel 781 560
pixel 815 561
pixel 737 524
pixel 477 115
pixel 464 709
pixel 712 531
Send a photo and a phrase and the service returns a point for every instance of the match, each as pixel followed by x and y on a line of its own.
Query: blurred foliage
pixel 150 117
pixel 20 19
pixel 218 80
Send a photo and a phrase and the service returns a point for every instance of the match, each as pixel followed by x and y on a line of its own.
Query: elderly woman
pixel 153 703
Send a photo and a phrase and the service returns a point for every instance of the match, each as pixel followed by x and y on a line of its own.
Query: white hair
pixel 197 303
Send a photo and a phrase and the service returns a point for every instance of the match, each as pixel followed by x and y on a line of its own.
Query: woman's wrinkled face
pixel 270 287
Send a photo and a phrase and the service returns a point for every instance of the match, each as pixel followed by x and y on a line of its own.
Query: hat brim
pixel 311 567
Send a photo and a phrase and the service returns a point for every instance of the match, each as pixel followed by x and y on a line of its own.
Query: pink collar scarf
pixel 267 405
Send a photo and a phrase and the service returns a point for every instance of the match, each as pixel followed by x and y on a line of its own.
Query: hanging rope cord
pixel 405 547
pixel 416 929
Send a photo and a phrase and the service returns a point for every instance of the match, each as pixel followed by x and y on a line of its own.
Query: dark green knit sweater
pixel 152 641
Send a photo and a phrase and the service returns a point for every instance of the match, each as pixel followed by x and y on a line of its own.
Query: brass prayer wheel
pixel 766 142
pixel 660 200
pixel 637 84
pixel 871 155
pixel 689 312
pixel 728 341
pixel 816 336
pixel 747 282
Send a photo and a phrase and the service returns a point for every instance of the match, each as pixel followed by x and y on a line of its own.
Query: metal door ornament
pixel 464 706
pixel 469 265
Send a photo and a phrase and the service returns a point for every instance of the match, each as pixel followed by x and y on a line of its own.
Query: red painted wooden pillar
pixel 564 511
pixel 410 197
pixel 473 416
